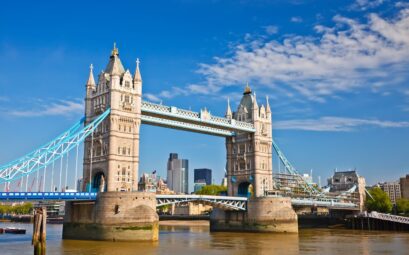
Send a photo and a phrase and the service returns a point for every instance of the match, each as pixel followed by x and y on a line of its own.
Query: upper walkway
pixel 201 122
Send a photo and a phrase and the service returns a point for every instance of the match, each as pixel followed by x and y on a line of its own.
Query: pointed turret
pixel 115 66
pixel 255 105
pixel 229 114
pixel 91 80
pixel 247 90
pixel 268 110
pixel 137 77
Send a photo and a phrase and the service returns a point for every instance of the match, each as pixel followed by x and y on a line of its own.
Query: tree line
pixel 20 209
pixel 381 202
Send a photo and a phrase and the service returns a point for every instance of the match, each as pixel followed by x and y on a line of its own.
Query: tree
pixel 212 190
pixel 403 205
pixel 379 201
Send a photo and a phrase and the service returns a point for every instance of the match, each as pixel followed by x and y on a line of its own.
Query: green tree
pixel 403 205
pixel 379 201
pixel 212 190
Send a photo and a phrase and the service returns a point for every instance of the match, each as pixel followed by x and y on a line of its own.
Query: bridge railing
pixel 175 112
pixel 17 196
pixel 389 217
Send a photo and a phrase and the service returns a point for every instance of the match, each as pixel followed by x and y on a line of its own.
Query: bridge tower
pixel 111 155
pixel 249 155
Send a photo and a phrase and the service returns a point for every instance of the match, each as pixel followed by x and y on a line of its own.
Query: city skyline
pixel 353 117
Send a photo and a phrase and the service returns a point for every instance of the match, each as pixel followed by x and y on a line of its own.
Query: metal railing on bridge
pixel 204 122
pixel 38 196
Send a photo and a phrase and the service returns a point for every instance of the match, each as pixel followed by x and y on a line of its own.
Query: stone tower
pixel 111 154
pixel 249 155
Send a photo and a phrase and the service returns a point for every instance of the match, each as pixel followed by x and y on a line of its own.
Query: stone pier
pixel 115 216
pixel 264 214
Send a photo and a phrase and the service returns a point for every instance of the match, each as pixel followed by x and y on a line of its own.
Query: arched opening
pixel 245 189
pixel 96 182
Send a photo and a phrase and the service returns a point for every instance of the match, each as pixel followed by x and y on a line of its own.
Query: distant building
pixel 153 183
pixel 404 186
pixel 148 182
pixel 178 174
pixel 392 189
pixel 203 175
pixel 349 182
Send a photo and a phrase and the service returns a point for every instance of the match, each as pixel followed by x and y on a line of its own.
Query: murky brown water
pixel 183 240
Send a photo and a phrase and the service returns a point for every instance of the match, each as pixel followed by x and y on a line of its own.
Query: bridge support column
pixel 264 214
pixel 114 216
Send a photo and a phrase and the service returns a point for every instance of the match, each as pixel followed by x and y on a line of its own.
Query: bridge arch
pixel 245 189
pixel 97 180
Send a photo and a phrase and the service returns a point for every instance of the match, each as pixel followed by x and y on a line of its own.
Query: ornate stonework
pixel 249 155
pixel 115 143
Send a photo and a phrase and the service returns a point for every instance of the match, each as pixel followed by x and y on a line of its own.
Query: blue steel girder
pixel 54 150
pixel 170 116
pixel 48 196
pixel 231 203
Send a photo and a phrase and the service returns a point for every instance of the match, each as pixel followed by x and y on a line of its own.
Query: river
pixel 183 240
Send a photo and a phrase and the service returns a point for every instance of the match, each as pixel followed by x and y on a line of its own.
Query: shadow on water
pixel 183 240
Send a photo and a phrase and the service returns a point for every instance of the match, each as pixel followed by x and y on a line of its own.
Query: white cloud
pixel 336 124
pixel 402 5
pixel 344 58
pixel 271 30
pixel 366 4
pixel 61 107
pixel 296 19
pixel 152 97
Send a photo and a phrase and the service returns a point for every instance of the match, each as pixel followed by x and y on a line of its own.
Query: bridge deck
pixel 234 203
pixel 65 196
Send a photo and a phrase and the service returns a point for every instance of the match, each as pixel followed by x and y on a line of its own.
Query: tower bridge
pixel 114 112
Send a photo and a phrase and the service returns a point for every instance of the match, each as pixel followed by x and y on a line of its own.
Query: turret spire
pixel 91 80
pixel 137 76
pixel 114 51
pixel 255 105
pixel 115 66
pixel 229 114
pixel 247 90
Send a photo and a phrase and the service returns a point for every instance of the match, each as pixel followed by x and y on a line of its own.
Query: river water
pixel 183 240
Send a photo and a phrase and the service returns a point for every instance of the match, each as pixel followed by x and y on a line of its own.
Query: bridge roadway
pixel 232 203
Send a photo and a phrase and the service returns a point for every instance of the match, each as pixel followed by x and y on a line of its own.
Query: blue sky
pixel 336 73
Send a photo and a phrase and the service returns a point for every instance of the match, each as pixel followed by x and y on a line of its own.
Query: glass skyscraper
pixel 178 174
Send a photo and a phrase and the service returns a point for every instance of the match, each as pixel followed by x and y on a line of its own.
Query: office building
pixel 404 186
pixel 178 174
pixel 392 189
pixel 203 175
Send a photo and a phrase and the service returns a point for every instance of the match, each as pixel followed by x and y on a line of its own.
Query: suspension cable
pixel 61 163
pixel 38 188
pixel 76 170
pixel 66 170
pixel 45 172
pixel 52 177
pixel 90 166
pixel 27 181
